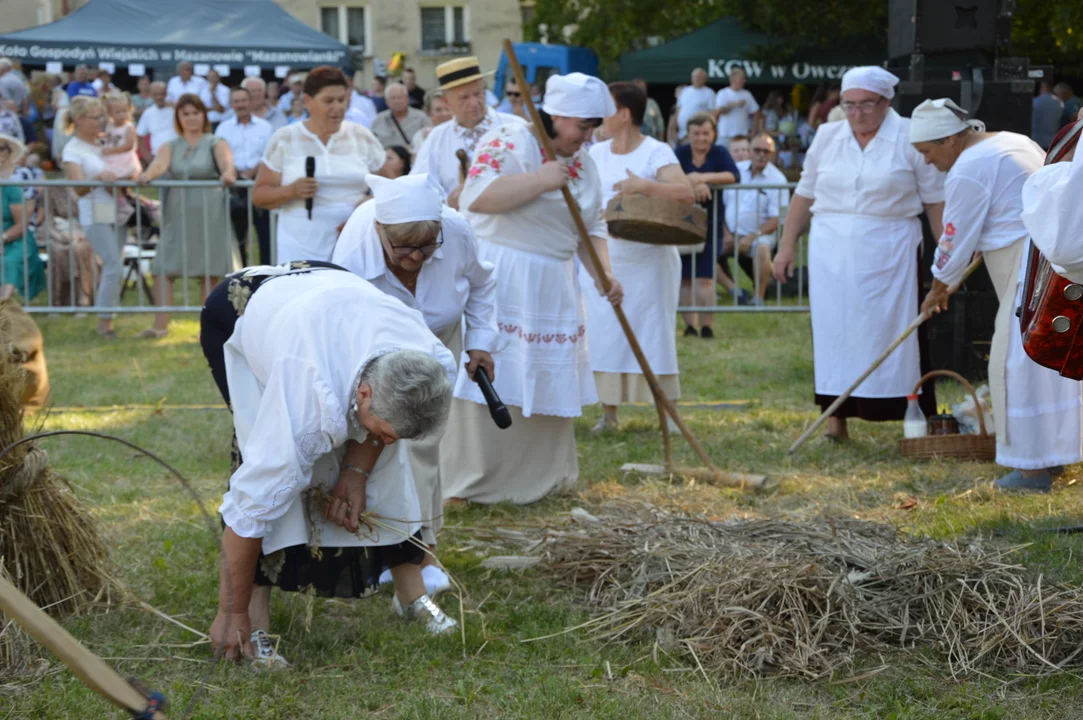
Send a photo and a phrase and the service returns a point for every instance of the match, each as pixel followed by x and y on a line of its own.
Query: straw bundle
pixel 803 598
pixel 49 544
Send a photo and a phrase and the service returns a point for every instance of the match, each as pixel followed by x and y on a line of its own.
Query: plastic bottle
pixel 914 424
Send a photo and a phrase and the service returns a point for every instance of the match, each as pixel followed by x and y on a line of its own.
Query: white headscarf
pixel 410 198
pixel 941 118
pixel 579 96
pixel 871 78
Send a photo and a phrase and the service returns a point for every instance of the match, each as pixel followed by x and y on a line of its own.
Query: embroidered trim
pixel 540 338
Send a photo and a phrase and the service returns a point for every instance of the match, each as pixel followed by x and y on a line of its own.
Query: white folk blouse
pixel 437 154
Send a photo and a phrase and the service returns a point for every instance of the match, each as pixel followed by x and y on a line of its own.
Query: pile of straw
pixel 803 598
pixel 50 547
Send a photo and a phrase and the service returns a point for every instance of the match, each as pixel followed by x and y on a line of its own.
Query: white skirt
pixel 545 367
pixel 863 295
pixel 298 238
pixel 651 278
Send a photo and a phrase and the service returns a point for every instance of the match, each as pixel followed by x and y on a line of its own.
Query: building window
pixel 348 24
pixel 445 29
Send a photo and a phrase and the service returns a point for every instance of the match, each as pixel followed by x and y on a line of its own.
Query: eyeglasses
pixel 761 151
pixel 864 107
pixel 513 94
pixel 407 250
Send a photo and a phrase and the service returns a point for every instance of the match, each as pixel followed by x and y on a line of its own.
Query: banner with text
pixel 39 53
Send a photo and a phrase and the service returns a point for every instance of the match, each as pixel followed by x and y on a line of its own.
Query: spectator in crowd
pixel 216 98
pixel 376 93
pixel 103 84
pixel 273 92
pixel 142 98
pixel 654 123
pixel 706 164
pixel 41 105
pixel 345 152
pixel 183 83
pixel 97 209
pixel 512 104
pixel 399 123
pixel 823 101
pixel 1072 104
pixel 12 87
pixel 773 111
pixel 22 270
pixel 694 98
pixel 119 150
pixel 193 247
pixel 671 126
pixel 155 126
pixel 29 170
pixel 295 91
pixel 10 123
pixel 71 257
pixel 362 110
pixel 247 136
pixel 737 111
pixel 260 105
pixel 752 215
pixel 81 85
pixel 60 102
pixel 297 110
pixel 417 93
pixel 1045 121
pixel 396 163
pixel 437 109
pixel 739 147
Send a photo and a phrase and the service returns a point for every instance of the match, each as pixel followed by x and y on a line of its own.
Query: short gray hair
pixel 5 63
pixel 257 81
pixel 394 86
pixel 158 84
pixel 410 392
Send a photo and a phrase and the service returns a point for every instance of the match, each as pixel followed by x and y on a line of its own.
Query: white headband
pixel 871 78
pixel 406 199
pixel 938 119
pixel 579 96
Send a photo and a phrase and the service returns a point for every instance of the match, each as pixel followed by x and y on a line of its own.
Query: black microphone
pixel 500 414
pixel 310 171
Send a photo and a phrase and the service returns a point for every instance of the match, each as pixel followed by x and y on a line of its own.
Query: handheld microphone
pixel 310 171
pixel 500 414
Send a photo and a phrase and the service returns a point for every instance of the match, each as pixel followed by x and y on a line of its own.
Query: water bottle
pixel 914 425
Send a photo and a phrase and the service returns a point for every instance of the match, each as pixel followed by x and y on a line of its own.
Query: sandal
pixel 153 334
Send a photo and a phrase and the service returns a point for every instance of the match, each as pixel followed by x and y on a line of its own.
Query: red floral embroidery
pixel 548 338
pixel 489 159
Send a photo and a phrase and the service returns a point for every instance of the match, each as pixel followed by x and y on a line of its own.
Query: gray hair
pixel 5 63
pixel 257 81
pixel 430 95
pixel 410 392
pixel 394 86
pixel 157 84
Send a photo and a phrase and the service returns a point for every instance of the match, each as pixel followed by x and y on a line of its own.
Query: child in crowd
pixel 119 149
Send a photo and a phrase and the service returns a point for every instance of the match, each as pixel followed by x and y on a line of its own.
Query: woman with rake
pixel 1038 412
pixel 309 356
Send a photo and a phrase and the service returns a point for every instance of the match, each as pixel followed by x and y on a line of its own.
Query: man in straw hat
pixel 1037 411
pixel 464 89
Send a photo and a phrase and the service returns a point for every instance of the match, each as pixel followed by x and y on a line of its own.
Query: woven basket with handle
pixel 981 447
pixel 656 221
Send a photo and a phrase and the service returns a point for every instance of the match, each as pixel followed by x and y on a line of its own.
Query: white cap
pixel 937 119
pixel 410 198
pixel 871 78
pixel 579 96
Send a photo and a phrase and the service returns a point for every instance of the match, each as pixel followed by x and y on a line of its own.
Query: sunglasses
pixel 761 151
pixel 513 94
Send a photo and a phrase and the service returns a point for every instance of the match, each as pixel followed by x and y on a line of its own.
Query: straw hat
pixel 459 71
pixel 7 164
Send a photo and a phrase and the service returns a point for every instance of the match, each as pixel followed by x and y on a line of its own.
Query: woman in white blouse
pixel 633 164
pixel 343 152
pixel 1037 411
pixel 309 358
pixel 410 245
pixel 864 186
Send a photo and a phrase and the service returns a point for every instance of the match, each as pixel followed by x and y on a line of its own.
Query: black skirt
pixel 346 572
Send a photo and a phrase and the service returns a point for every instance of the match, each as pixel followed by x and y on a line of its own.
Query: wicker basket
pixel 981 447
pixel 655 221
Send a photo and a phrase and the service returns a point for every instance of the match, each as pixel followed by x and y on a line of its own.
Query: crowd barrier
pixel 73 268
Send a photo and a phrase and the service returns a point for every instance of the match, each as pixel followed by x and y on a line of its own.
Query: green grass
pixel 352 659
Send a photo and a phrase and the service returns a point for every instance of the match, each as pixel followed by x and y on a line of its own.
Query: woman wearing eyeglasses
pixel 864 187
pixel 411 246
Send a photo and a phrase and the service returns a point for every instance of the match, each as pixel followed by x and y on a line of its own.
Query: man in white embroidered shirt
pixel 752 215
pixel 184 82
pixel 463 84
pixel 247 136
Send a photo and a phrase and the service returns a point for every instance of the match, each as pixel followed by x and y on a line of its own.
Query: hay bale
pixel 22 339
pixel 754 597
pixel 50 547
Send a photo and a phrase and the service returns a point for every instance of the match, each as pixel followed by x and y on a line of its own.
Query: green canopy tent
pixel 724 45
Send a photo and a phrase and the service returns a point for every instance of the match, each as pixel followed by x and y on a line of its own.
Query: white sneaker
pixel 436 580
pixel 425 610
pixel 266 657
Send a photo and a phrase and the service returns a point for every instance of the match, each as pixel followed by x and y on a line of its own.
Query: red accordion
pixel 1052 311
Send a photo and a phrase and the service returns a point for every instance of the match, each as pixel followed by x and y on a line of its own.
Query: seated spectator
pixel 183 83
pixel 437 109
pixel 752 215
pixel 399 123
pixel 81 85
pixel 296 90
pixel 21 270
pixel 740 149
pixel 71 257
pixel 10 124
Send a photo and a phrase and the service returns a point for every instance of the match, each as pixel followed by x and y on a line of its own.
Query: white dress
pixel 651 278
pixel 292 364
pixel 543 375
pixel 1053 214
pixel 863 255
pixel 341 166
pixel 454 283
pixel 437 154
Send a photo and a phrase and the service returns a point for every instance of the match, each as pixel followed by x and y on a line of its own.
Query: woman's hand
pixel 144 178
pixel 107 176
pixel 616 293
pixel 229 176
pixel 347 500
pixel 632 185
pixel 784 263
pixel 553 175
pixel 702 192
pixel 304 188
pixel 937 299
pixel 482 358
pixel 231 636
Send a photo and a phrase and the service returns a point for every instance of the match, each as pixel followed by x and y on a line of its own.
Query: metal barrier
pixel 129 247
pixel 730 208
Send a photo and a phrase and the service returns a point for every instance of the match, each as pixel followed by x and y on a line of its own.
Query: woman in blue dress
pixel 20 266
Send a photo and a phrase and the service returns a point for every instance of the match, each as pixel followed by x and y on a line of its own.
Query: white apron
pixel 299 238
pixel 863 294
